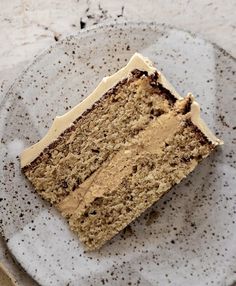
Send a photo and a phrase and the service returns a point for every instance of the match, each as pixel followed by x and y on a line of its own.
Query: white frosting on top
pixel 61 123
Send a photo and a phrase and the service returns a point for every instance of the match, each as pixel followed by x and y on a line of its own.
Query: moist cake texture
pixel 121 154
pixel 122 113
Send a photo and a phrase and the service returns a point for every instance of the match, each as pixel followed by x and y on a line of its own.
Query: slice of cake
pixel 112 156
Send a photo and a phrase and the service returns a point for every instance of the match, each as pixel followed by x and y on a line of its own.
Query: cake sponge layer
pixel 119 115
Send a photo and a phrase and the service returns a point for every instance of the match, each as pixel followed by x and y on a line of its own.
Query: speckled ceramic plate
pixel 187 238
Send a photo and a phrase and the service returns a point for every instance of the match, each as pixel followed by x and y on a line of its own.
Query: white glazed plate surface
pixel 187 238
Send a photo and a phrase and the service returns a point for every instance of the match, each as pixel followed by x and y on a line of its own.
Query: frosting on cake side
pixel 61 123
